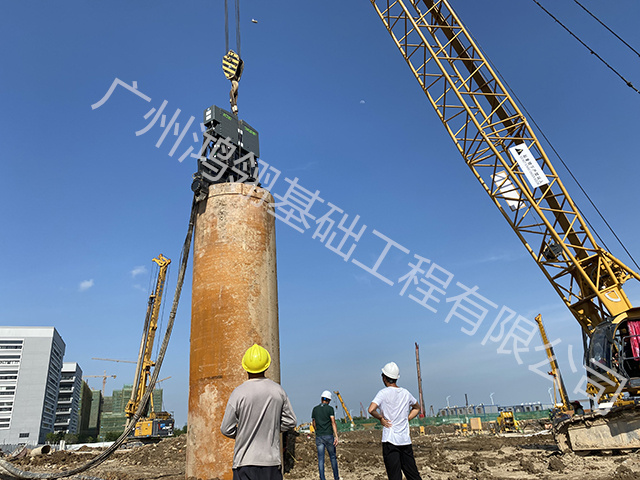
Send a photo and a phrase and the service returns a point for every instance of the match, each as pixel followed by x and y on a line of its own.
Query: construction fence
pixel 372 424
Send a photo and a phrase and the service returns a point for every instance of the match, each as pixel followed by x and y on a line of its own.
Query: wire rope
pixel 627 82
pixel 164 304
pixel 152 276
pixel 226 26
pixel 238 26
pixel 607 27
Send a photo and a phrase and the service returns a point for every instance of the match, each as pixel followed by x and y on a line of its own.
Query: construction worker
pixel 323 418
pixel 256 413
pixel 397 406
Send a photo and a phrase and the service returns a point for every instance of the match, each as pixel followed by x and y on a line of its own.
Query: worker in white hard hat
pixel 394 406
pixel 323 418
pixel 256 413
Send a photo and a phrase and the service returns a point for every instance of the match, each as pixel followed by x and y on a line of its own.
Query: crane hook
pixel 232 66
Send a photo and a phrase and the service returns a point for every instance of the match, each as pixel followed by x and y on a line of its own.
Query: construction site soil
pixel 439 455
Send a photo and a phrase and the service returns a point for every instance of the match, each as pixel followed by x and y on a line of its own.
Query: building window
pixel 24 435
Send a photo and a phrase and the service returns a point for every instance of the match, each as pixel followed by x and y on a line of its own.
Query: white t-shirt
pixel 395 404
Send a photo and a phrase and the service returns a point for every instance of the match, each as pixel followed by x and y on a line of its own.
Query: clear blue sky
pixel 84 202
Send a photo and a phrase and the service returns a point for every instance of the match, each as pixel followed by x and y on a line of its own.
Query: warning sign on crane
pixel 529 166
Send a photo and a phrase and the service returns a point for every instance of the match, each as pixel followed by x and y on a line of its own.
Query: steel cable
pixel 607 27
pixel 238 26
pixel 629 84
pixel 226 26
pixel 10 472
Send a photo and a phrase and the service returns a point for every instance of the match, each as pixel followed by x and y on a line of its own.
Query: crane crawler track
pixel 619 429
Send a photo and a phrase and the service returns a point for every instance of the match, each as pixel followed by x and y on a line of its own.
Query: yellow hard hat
pixel 256 359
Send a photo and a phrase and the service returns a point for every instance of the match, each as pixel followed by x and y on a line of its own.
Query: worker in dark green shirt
pixel 324 423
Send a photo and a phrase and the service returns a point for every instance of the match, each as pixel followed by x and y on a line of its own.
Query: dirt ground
pixel 439 456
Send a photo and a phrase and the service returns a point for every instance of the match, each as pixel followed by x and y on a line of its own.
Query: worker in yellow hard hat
pixel 256 360
pixel 257 411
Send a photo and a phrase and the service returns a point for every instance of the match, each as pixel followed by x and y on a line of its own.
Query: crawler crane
pixel 502 151
pixel 153 424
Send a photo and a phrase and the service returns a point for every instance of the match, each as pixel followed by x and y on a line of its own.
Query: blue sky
pixel 85 203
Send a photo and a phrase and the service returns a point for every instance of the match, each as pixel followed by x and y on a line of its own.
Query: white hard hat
pixel 326 394
pixel 391 370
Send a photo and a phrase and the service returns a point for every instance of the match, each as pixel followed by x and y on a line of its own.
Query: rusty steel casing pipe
pixel 234 305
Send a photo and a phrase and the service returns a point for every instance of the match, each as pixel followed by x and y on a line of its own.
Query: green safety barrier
pixel 344 425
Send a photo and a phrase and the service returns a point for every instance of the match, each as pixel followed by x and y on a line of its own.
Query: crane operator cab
pixel 614 353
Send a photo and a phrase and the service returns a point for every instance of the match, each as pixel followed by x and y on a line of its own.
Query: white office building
pixel 30 370
pixel 69 398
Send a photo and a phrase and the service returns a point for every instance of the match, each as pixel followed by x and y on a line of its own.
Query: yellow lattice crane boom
pixel 558 382
pixel 497 143
pixel 344 407
pixel 153 423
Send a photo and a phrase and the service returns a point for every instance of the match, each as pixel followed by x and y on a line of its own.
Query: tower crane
pixel 113 360
pixel 153 424
pixel 504 154
pixel 103 377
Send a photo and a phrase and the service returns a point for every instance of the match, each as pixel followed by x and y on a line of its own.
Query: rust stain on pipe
pixel 234 305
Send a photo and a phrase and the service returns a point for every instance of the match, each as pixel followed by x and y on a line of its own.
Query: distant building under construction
pixel 113 418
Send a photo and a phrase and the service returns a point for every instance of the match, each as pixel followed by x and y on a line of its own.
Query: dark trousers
pixel 257 473
pixel 398 459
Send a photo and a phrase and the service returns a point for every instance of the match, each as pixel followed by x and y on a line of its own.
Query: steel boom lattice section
pixel 485 123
